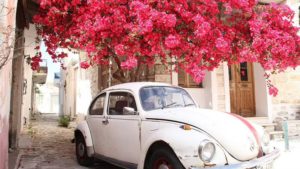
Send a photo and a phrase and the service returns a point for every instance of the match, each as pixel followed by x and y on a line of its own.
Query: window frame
pixel 187 78
pixel 120 91
pixel 93 103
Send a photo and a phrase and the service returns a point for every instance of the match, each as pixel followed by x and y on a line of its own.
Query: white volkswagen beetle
pixel 158 126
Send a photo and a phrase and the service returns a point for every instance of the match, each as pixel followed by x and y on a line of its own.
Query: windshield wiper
pixel 190 104
pixel 168 105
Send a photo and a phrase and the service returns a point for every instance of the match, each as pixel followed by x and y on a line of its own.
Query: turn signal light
pixel 186 127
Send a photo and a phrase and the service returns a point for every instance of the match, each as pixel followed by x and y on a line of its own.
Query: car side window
pixel 119 100
pixel 98 105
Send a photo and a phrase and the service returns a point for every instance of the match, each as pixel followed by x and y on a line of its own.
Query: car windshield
pixel 161 97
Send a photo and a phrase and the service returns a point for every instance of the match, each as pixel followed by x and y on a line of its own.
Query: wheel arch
pixel 78 133
pixel 157 144
pixel 184 144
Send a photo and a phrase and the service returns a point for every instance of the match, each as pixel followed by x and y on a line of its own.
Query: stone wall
pixel 78 85
pixel 29 51
pixel 92 75
pixel 286 104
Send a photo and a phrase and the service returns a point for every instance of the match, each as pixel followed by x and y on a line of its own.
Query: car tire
pixel 81 152
pixel 164 158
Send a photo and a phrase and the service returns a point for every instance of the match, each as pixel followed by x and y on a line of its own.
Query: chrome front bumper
pixel 258 163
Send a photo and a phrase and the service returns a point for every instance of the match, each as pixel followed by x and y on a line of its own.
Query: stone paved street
pixel 51 148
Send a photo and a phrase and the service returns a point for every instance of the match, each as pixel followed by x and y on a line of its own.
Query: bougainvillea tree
pixel 198 34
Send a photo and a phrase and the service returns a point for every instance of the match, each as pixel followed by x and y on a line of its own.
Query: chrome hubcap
pixel 163 166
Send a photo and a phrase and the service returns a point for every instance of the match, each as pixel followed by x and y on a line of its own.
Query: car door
pixel 123 134
pixel 96 122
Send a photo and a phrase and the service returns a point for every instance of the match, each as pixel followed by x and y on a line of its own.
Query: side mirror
pixel 129 111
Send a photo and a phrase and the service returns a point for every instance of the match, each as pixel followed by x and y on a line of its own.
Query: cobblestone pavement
pixel 51 148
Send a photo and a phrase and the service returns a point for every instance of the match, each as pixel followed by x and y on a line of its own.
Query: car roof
pixel 134 86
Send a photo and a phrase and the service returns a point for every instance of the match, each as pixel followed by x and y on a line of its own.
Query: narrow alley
pixel 50 147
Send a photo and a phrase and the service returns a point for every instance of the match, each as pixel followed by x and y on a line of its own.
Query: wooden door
pixel 242 89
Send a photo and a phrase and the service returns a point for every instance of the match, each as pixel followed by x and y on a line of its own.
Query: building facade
pixel 7 19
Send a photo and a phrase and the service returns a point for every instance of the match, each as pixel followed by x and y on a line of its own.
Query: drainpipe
pixel 286 135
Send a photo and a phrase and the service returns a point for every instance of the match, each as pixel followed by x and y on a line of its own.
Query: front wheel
pixel 81 152
pixel 164 158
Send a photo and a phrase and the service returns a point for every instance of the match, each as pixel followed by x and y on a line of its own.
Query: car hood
pixel 228 130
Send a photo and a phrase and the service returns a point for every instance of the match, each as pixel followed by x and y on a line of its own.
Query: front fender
pixel 84 129
pixel 184 143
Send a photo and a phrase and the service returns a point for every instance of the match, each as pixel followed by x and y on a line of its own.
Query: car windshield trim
pixel 164 97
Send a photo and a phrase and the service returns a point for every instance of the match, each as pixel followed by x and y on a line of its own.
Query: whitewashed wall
pixel 29 51
pixel 5 86
pixel 263 102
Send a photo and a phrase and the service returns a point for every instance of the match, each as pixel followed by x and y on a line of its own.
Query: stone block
pixel 284 100
pixel 282 114
pixel 294 127
pixel 269 128
pixel 297 117
pixel 293 133
pixel 292 116
pixel 276 135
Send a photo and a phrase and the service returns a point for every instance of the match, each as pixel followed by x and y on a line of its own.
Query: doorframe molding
pixel 226 87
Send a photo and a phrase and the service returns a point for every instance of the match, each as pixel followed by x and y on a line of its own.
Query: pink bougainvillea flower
pixel 62 55
pixel 84 65
pixel 222 44
pixel 198 74
pixel 120 50
pixel 199 35
pixel 129 64
pixel 273 91
pixel 35 61
pixel 172 42
pixel 228 8
pixel 202 29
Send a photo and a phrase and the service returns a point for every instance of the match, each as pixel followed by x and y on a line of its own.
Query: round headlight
pixel 206 150
pixel 266 139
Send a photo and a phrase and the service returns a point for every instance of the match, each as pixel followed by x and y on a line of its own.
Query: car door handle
pixel 105 121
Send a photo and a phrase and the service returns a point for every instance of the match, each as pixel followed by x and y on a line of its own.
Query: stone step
pixel 267 124
pixel 275 135
pixel 259 120
pixel 269 127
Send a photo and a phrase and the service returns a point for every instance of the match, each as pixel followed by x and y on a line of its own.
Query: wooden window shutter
pixel 191 82
pixel 185 80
